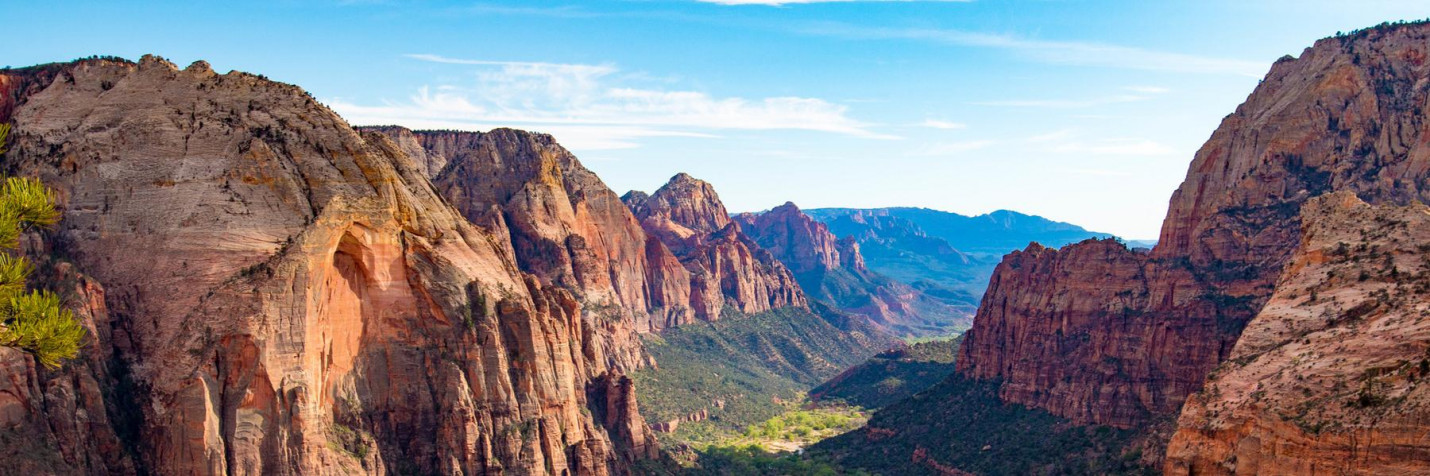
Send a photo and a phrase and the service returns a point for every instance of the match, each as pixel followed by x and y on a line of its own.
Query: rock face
pixel 1329 376
pixel 281 294
pixel 566 226
pixel 1100 334
pixel 60 421
pixel 687 224
pixel 833 270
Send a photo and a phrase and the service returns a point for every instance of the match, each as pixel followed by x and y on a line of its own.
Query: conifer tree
pixel 33 321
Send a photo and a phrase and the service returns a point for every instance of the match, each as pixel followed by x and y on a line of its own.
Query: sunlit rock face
pixel 1327 378
pixel 687 224
pixel 1101 334
pixel 273 292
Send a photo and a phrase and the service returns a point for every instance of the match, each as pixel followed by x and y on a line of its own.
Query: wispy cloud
pixel 594 107
pixel 777 3
pixel 1049 51
pixel 938 149
pixel 1064 103
pixel 942 124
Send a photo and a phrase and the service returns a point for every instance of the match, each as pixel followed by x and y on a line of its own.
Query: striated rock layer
pixel 281 294
pixel 1330 376
pixel 833 270
pixel 1100 334
pixel 661 262
pixel 687 224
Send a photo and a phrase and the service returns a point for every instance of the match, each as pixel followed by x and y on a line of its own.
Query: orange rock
pixel 1101 334
pixel 288 295
pixel 1328 377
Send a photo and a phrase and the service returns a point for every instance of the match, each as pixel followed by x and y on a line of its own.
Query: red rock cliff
pixel 687 224
pixel 1329 376
pixel 285 295
pixel 565 225
pixel 1100 334
pixel 832 270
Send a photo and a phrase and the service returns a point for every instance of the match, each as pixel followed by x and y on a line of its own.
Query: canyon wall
pixel 686 221
pixel 1101 334
pixel 1329 376
pixel 273 292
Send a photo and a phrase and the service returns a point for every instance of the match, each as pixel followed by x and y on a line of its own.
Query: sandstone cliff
pixel 566 226
pixel 1100 334
pixel 833 270
pixel 1329 377
pixel 281 294
pixel 686 222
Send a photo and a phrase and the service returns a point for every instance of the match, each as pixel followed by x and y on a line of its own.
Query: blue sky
pixel 1081 111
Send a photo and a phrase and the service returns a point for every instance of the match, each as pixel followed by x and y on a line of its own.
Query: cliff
pixel 274 292
pixel 686 222
pixel 1100 334
pixel 566 226
pixel 1328 377
pixel 833 271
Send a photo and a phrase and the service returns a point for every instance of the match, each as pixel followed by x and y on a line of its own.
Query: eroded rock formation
pixel 1101 334
pixel 1329 378
pixel 286 295
pixel 687 224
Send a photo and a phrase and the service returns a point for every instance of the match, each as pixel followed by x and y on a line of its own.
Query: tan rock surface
pixel 1100 334
pixel 689 223
pixel 1330 377
pixel 290 296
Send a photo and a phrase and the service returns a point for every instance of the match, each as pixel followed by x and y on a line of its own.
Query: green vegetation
pixel 754 460
pixel 34 321
pixel 773 447
pixel 743 370
pixel 962 423
pixel 804 426
pixel 893 375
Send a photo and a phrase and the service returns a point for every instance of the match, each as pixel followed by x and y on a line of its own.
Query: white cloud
pixel 942 124
pixel 1056 52
pixel 778 3
pixel 593 107
pixel 950 148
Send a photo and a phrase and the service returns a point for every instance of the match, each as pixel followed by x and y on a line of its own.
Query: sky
pixel 1081 111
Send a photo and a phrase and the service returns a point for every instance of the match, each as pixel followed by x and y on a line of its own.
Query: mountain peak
pixel 687 201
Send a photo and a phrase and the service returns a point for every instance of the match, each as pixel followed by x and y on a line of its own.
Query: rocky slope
pixel 833 270
pixel 568 228
pixel 890 376
pixel 739 370
pixel 686 221
pixel 1330 376
pixel 273 292
pixel 1100 334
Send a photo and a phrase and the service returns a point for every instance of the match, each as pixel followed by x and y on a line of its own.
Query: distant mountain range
pixel 993 233
pixel 944 253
